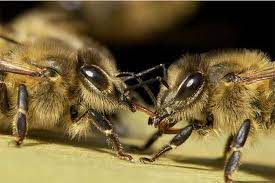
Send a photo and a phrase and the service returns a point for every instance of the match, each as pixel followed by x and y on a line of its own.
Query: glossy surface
pixel 190 86
pixel 96 77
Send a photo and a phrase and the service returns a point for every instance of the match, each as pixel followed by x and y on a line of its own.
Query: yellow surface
pixel 51 158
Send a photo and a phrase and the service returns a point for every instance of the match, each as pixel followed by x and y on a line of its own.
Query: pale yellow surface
pixel 50 158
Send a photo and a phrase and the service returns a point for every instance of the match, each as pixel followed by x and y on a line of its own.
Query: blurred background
pixel 143 34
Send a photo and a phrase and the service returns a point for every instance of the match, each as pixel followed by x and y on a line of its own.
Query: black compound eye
pixel 190 86
pixel 96 76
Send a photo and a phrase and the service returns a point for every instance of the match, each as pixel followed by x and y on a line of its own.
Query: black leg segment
pixel 149 142
pixel 242 134
pixel 157 135
pixel 182 136
pixel 238 142
pixel 179 139
pixel 4 105
pixel 152 139
pixel 21 119
pixel 103 125
pixel 227 146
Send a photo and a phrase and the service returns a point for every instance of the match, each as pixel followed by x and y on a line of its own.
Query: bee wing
pixel 265 73
pixel 20 69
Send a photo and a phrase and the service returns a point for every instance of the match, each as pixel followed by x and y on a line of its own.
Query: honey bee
pixel 229 91
pixel 48 81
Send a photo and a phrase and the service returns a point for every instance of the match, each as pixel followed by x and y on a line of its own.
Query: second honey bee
pixel 223 91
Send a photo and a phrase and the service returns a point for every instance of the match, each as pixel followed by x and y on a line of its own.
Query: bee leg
pixel 149 142
pixel 21 118
pixel 104 126
pixel 180 138
pixel 227 146
pixel 156 136
pixel 4 105
pixel 238 142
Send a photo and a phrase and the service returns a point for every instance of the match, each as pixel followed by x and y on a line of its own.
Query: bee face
pixel 182 95
pixel 186 92
pixel 98 77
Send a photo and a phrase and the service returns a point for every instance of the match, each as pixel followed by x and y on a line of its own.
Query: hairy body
pixel 229 102
pixel 217 92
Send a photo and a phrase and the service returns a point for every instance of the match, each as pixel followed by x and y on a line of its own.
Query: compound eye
pixel 190 86
pixel 95 76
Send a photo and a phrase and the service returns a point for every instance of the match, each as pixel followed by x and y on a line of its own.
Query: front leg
pixel 227 147
pixel 180 138
pixel 238 142
pixel 104 126
pixel 21 116
pixel 155 136
pixel 4 105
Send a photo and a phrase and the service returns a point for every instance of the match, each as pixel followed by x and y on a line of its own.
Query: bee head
pixel 99 85
pixel 178 97
pixel 185 93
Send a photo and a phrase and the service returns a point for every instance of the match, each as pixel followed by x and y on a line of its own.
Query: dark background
pixel 216 25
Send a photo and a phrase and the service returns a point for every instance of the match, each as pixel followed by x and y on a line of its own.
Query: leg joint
pixel 22 110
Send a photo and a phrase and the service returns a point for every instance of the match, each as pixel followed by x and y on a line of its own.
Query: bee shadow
pixel 265 171
pixel 98 142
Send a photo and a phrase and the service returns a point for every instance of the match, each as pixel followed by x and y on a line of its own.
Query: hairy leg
pixel 104 126
pixel 21 116
pixel 238 142
pixel 227 147
pixel 180 138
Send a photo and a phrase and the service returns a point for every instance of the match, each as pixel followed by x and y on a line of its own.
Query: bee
pixel 48 81
pixel 229 91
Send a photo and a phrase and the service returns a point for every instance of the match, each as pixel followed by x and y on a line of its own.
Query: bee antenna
pixel 147 89
pixel 9 40
pixel 124 74
pixel 131 75
pixel 161 80
pixel 141 83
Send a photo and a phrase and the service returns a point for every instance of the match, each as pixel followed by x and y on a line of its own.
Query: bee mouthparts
pixel 155 120
pixel 143 109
